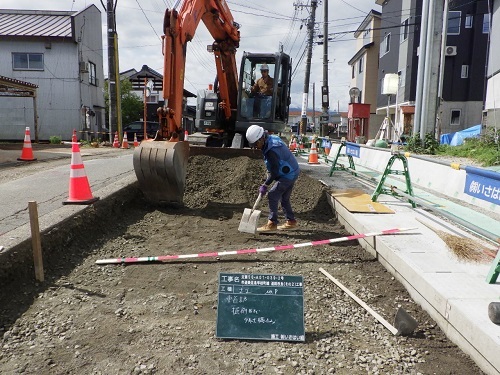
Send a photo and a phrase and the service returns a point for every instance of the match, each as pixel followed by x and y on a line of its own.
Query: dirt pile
pixel 160 318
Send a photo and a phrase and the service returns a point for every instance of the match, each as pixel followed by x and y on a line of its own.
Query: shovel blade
pixel 249 221
pixel 404 323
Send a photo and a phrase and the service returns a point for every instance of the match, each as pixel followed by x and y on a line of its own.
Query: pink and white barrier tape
pixel 163 258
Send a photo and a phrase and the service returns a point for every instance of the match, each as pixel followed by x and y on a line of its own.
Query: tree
pixel 131 104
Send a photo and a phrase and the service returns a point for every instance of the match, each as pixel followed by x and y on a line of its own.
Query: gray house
pixel 62 54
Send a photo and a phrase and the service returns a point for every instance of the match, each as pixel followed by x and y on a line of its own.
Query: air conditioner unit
pixel 450 51
pixel 84 68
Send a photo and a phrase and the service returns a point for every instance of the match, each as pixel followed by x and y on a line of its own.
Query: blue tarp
pixel 457 138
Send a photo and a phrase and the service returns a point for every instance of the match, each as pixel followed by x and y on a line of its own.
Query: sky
pixel 264 25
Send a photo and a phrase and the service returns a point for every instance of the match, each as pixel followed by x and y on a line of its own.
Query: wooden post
pixel 384 322
pixel 35 118
pixel 35 241
pixel 145 107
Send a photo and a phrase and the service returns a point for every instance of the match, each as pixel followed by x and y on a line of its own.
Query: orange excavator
pixel 223 112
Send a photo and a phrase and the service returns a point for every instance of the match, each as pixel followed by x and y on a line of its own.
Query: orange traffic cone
pixel 136 142
pixel 186 135
pixel 313 154
pixel 125 141
pixel 27 153
pixel 116 141
pixel 79 187
pixel 292 145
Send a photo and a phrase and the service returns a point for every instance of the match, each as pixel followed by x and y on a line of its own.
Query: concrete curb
pixel 454 294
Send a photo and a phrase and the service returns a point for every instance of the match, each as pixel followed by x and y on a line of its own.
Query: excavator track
pixel 160 167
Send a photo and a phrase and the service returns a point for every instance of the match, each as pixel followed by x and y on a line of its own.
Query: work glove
pixel 263 189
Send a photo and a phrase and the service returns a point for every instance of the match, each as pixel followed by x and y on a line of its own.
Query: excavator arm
pixel 161 165
pixel 179 28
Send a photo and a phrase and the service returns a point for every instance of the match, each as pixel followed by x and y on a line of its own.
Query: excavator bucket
pixel 160 168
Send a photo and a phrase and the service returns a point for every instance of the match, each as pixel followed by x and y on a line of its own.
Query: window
pixel 469 19
pixel 360 65
pixel 402 78
pixel 27 61
pixel 486 24
pixel 352 73
pixel 465 71
pixel 454 19
pixel 404 30
pixel 455 117
pixel 385 46
pixel 92 74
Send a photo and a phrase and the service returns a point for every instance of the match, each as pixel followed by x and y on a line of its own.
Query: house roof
pixel 372 14
pixel 137 79
pixel 146 72
pixel 35 23
pixel 15 87
pixel 360 53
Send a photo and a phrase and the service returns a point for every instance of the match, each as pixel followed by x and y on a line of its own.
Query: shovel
pixel 404 324
pixel 250 218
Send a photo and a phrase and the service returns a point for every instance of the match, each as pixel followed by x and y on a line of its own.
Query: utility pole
pixel 310 29
pixel 428 67
pixel 314 106
pixel 115 118
pixel 325 101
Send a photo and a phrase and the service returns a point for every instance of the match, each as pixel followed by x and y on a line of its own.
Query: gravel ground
pixel 159 318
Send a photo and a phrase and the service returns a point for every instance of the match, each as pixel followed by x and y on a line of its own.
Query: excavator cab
pixel 268 111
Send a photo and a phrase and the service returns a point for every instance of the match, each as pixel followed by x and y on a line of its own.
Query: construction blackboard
pixel 260 307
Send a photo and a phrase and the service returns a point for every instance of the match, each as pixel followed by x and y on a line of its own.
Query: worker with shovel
pixel 283 168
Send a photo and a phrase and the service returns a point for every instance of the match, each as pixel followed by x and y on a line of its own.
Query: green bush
pixel 429 146
pixel 55 140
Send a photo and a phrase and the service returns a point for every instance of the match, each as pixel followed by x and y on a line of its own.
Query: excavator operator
pixel 262 90
pixel 264 85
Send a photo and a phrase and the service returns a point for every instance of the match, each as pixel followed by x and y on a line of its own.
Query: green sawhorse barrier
pixel 382 190
pixel 340 167
pixel 388 170
pixel 494 270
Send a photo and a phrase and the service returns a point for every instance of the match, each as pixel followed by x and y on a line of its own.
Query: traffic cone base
pixel 79 187
pixel 313 154
pixel 27 153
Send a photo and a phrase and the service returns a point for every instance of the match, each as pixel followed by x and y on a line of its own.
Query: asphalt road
pixel 50 187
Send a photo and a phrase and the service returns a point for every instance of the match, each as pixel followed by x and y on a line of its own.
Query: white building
pixel 492 103
pixel 61 53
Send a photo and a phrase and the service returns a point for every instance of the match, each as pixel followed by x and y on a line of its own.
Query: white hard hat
pixel 264 67
pixel 254 133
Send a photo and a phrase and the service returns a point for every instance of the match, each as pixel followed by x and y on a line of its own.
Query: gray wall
pixel 63 90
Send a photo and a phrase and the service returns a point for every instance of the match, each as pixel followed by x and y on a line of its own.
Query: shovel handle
pixel 257 202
